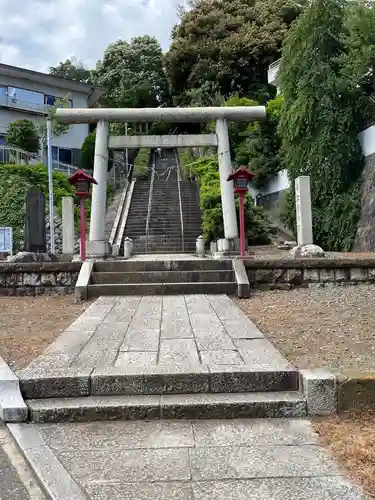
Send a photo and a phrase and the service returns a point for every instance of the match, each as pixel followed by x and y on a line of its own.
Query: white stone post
pixel 225 169
pixel 97 245
pixel 303 210
pixel 68 225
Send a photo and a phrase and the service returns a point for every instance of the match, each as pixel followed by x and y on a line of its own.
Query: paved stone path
pixel 174 459
pixel 208 330
pixel 185 460
pixel 16 479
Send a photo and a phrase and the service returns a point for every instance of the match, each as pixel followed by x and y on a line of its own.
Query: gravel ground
pixel 315 327
pixel 351 439
pixel 29 324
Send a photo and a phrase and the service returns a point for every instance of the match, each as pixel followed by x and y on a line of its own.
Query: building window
pixel 65 155
pixel 18 94
pixel 50 100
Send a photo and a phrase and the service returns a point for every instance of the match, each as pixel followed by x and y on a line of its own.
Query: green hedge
pixel 15 180
pixel 205 169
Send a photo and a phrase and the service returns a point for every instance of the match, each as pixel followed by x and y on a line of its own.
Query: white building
pixel 26 94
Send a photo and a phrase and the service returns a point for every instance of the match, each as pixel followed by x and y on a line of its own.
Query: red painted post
pixel 83 228
pixel 242 224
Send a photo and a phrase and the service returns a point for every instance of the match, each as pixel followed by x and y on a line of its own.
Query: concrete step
pixel 228 288
pixel 191 406
pixel 160 265
pixel 162 277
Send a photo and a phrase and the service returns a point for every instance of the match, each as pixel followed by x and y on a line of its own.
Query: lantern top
pixel 242 171
pixel 80 175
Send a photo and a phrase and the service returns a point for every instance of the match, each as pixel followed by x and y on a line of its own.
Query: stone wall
pixel 365 238
pixel 287 273
pixel 36 278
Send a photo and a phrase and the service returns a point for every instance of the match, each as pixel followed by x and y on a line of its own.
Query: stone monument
pixel 68 238
pixel 305 246
pixel 35 224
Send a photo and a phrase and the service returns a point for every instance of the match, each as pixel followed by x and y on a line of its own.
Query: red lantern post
pixel 241 178
pixel 82 183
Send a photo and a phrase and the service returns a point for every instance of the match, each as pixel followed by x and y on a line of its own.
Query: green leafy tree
pixel 72 69
pixel 58 128
pixel 23 134
pixel 133 73
pixel 88 152
pixel 260 146
pixel 319 124
pixel 228 44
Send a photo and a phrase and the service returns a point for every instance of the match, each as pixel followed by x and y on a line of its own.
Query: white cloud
pixel 37 34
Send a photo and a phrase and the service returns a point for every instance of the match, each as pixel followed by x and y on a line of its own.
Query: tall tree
pixel 133 73
pixel 23 134
pixel 72 69
pixel 358 61
pixel 319 123
pixel 228 43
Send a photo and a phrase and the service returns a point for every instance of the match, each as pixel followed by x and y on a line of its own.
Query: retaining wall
pixel 38 278
pixel 288 273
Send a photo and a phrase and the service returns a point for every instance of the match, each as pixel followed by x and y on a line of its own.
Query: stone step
pixel 189 406
pixel 162 277
pixel 160 265
pixel 228 288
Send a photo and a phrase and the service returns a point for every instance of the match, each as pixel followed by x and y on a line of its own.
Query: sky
pixel 37 34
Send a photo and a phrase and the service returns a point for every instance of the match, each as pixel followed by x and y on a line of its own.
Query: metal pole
pixel 50 186
pixel 242 224
pixel 83 228
pixel 126 150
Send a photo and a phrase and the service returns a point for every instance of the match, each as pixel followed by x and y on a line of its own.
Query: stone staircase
pixel 126 358
pixel 137 217
pixel 169 277
pixel 191 214
pixel 164 232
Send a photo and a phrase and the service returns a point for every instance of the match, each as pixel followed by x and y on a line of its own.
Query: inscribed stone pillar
pixel 68 225
pixel 35 223
pixel 303 210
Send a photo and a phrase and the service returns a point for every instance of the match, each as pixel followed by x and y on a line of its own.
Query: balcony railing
pixel 12 102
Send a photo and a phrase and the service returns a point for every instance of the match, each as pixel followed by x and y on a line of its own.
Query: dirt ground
pixel 351 439
pixel 29 324
pixel 315 327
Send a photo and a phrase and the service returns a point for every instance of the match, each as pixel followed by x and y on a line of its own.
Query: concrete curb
pixel 242 280
pixel 355 390
pixel 327 393
pixel 80 292
pixel 12 405
pixel 56 482
pixel 319 388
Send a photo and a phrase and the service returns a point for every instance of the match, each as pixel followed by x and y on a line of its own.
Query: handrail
pixel 125 213
pixel 120 209
pixel 179 198
pixel 150 199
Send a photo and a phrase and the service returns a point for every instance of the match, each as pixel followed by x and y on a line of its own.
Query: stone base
pixel 309 250
pixel 98 249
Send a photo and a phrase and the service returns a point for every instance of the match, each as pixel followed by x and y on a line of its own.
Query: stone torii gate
pixel 97 245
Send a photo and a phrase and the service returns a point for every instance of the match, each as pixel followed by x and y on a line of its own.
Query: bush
pixel 141 163
pixel 22 134
pixel 15 180
pixel 88 152
pixel 258 227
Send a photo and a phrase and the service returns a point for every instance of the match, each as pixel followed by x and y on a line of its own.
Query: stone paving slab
pixel 187 460
pixel 199 330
